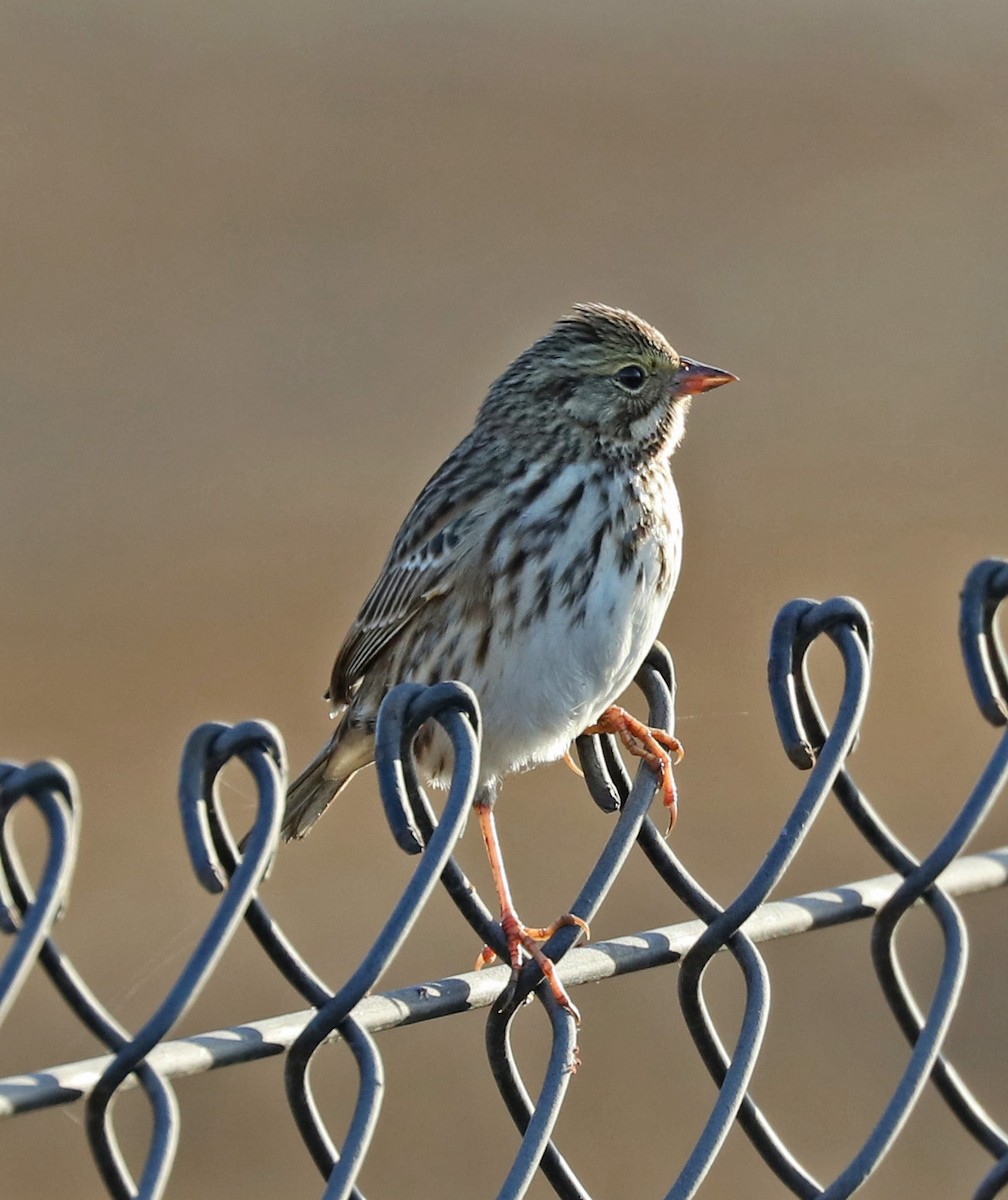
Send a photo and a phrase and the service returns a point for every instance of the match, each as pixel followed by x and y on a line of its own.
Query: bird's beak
pixel 693 377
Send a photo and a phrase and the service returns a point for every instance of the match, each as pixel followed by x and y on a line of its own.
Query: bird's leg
pixel 519 937
pixel 660 750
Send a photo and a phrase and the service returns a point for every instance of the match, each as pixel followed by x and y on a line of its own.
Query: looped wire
pixel 454 707
pixel 54 787
pixel 258 746
pixel 985 588
pixel 798 624
pixel 404 710
pixel 535 1121
pixel 924 1033
pixel 407 806
pixel 25 915
pixel 213 853
pixel 802 729
pixel 208 839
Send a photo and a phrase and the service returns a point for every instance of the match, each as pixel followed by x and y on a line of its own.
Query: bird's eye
pixel 632 377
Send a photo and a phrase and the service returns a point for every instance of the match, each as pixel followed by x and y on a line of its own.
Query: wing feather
pixel 421 566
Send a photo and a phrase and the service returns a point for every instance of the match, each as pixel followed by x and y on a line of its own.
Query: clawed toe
pixel 568 758
pixel 656 747
pixel 523 941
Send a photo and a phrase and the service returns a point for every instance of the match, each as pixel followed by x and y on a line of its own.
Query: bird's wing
pixel 421 566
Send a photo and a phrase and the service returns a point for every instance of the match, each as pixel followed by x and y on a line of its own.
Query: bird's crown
pixel 608 329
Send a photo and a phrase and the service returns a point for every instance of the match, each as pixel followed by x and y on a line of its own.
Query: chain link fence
pixel 353 1015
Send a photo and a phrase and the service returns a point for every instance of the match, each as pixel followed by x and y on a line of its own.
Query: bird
pixel 535 566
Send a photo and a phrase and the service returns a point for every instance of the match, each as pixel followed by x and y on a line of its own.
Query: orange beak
pixel 693 377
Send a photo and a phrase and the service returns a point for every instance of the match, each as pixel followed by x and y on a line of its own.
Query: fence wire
pixel 820 747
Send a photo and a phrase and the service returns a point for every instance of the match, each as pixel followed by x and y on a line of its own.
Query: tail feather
pixel 323 779
pixel 308 797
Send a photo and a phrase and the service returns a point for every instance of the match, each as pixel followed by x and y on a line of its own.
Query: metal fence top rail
pixel 473 990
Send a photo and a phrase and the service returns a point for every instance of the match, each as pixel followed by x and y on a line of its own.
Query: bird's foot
pixel 523 941
pixel 659 749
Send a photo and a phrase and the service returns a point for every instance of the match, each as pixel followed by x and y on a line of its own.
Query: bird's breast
pixel 578 588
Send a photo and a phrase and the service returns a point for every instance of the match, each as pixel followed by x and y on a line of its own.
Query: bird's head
pixel 608 374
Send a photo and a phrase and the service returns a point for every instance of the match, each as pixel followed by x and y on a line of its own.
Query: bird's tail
pixel 323 779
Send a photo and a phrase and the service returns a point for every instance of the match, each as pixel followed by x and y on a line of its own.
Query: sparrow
pixel 536 566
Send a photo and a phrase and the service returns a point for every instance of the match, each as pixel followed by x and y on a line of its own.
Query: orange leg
pixel 660 750
pixel 520 938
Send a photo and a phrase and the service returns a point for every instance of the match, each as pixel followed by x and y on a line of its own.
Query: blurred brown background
pixel 259 263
